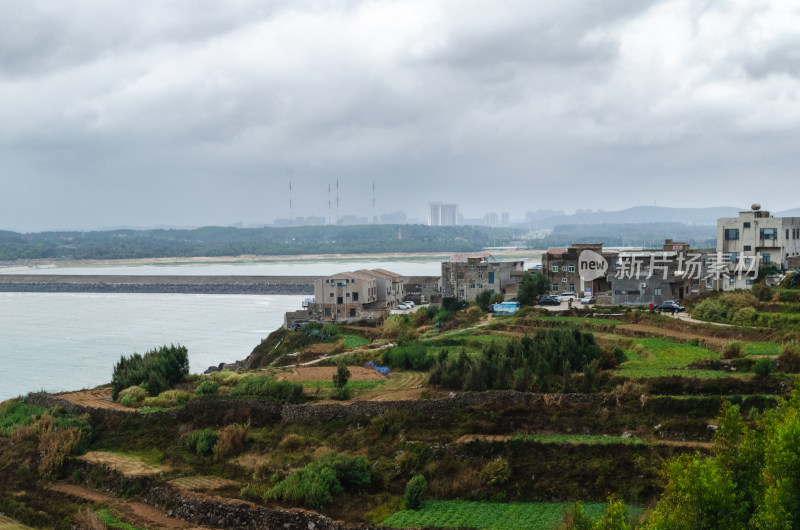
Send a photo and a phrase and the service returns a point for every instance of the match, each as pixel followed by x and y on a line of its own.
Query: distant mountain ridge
pixel 653 214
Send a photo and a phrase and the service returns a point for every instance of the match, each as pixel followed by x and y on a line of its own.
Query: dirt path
pixel 7 523
pixel 97 397
pixel 638 329
pixel 127 465
pixel 133 510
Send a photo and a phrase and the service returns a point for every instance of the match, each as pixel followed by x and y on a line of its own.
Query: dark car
pixel 549 300
pixel 670 306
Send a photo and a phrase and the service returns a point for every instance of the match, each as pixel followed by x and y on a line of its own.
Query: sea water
pixel 70 341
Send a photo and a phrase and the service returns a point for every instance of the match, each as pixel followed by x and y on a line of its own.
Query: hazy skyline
pixel 193 113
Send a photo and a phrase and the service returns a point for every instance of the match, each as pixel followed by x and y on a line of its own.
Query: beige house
pixel 756 233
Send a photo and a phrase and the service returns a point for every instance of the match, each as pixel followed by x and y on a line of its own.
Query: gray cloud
pixel 192 113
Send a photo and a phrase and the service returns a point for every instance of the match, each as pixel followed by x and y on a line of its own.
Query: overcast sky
pixel 192 113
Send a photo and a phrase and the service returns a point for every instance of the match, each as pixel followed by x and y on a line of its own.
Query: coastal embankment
pixel 67 283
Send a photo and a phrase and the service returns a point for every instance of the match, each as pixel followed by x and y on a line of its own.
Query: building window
pixel 732 280
pixel 572 287
pixel 746 225
pixel 554 287
pixel 769 233
pixel 563 280
pixel 339 300
pixel 331 295
pixel 734 257
pixel 657 291
pixel 555 268
pixel 355 297
pixel 748 248
pixel 327 311
pixel 461 293
pixel 765 259
pixel 731 234
pixel 491 277
pixel 347 295
pixel 750 282
pixel 571 268
pixel 472 286
pixel 480 286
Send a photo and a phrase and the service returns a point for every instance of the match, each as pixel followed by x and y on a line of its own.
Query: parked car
pixel 588 300
pixel 409 303
pixel 403 305
pixel 567 296
pixel 549 300
pixel 670 306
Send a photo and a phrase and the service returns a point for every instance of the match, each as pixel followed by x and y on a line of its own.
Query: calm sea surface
pixel 69 341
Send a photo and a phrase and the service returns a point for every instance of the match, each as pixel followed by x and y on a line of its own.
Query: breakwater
pixel 76 283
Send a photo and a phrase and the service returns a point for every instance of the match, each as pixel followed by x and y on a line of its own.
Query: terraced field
pixel 127 465
pixel 204 483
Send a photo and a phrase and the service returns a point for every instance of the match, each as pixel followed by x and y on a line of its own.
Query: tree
pixel 483 299
pixel 532 286
pixel 341 376
pixel 415 489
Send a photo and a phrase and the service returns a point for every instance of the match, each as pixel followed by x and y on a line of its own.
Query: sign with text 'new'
pixel 591 265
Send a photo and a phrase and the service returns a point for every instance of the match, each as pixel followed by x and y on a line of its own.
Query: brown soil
pixel 127 465
pixel 325 373
pixel 97 397
pixel 138 512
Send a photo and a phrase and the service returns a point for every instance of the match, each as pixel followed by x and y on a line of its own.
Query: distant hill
pixel 644 214
pixel 648 235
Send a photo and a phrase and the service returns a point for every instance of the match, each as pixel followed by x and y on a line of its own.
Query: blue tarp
pixel 380 369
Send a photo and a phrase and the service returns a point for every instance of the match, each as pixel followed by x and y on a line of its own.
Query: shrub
pixel 413 356
pixel 167 399
pixel 790 357
pixel 341 393
pixel 207 389
pixel 415 489
pixel 733 350
pixel 201 442
pixel 483 299
pixel 132 396
pixel 269 388
pixel 16 413
pixel 575 518
pixel 156 370
pixel 230 441
pixel 764 366
pixel 496 471
pixel 315 484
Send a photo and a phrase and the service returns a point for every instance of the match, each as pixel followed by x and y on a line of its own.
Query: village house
pixel 561 267
pixel 755 236
pixel 465 275
pixel 423 289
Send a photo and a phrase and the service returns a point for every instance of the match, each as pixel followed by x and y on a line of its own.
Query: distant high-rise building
pixel 491 219
pixel 504 219
pixel 442 214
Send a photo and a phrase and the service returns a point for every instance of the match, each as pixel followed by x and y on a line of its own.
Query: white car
pixel 403 305
pixel 565 297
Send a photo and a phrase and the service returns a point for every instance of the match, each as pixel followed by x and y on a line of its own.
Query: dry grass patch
pixel 204 483
pixel 127 465
pixel 7 523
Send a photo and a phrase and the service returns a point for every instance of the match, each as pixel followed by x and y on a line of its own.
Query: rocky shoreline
pixel 257 285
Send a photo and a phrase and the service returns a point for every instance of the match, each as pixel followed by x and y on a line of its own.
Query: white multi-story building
pixel 442 214
pixel 755 233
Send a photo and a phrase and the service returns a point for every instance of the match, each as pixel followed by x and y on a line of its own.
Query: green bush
pixel 201 442
pixel 412 356
pixel 207 389
pixel 496 471
pixel 16 413
pixel 155 371
pixel 764 366
pixel 415 489
pixel 316 484
pixel 167 399
pixel 268 388
pixel 733 350
pixel 341 393
pixel 132 396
